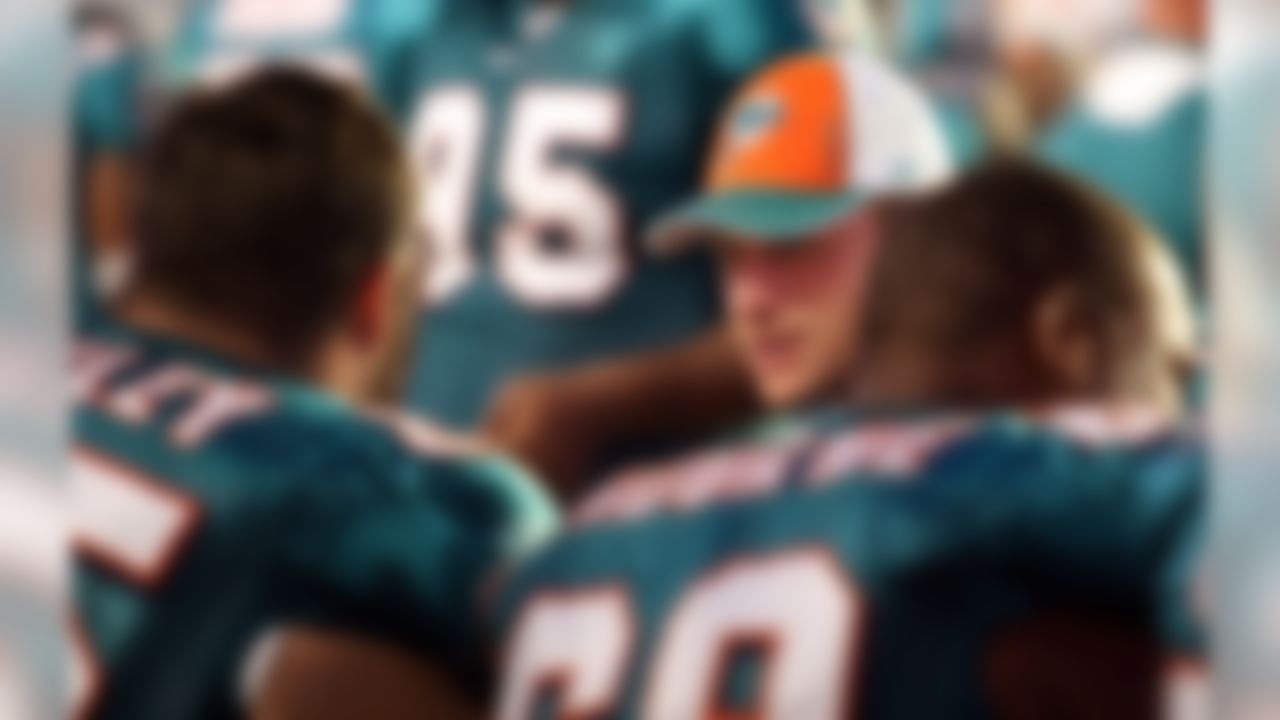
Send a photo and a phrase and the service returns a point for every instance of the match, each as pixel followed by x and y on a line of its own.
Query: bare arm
pixel 323 675
pixel 108 199
pixel 564 425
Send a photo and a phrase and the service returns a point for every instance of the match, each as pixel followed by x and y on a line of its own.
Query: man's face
pixel 793 308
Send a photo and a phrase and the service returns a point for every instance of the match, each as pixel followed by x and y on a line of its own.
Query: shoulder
pixel 734 471
pixel 756 469
pixel 932 445
pixel 951 450
pixel 1066 461
pixel 395 463
pixel 303 442
pixel 494 488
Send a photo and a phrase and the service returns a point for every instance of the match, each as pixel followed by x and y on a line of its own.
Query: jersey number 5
pixel 795 612
pixel 542 193
pixel 130 524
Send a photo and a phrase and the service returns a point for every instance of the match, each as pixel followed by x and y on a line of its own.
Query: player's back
pixel 551 136
pixel 865 574
pixel 214 504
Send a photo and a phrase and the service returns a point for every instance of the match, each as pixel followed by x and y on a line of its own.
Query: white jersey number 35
pixel 541 191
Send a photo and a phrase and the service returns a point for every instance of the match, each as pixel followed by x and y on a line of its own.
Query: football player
pixel 247 539
pixel 551 132
pixel 804 152
pixel 1013 451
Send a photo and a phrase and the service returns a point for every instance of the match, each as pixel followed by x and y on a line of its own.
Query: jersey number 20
pixel 796 610
pixel 540 193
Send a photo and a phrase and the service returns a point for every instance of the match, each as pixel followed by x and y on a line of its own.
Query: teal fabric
pixel 992 526
pixel 962 127
pixel 922 29
pixel 763 216
pixel 1156 168
pixel 308 514
pixel 673 64
pixel 107 103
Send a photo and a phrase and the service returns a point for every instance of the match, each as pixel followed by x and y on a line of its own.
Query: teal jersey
pixel 863 573
pixel 549 136
pixel 106 120
pixel 1138 133
pixel 106 94
pixel 214 504
pixel 362 41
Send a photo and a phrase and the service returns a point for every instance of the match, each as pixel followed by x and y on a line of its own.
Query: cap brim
pixel 764 216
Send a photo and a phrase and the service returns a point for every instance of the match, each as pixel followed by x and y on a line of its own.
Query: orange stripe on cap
pixel 785 131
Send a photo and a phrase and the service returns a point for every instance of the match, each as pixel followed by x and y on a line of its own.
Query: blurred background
pixel 1170 106
pixel 1112 90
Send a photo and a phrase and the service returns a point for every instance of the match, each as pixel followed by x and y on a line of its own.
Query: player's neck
pixel 155 316
pixel 912 381
pixel 894 383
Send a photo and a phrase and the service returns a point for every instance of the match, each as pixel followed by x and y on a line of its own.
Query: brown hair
pixel 961 271
pixel 266 204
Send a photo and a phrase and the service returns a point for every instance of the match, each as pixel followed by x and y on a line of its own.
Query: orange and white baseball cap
pixel 810 140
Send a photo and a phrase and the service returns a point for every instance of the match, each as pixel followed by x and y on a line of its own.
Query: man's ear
pixel 1063 342
pixel 371 312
